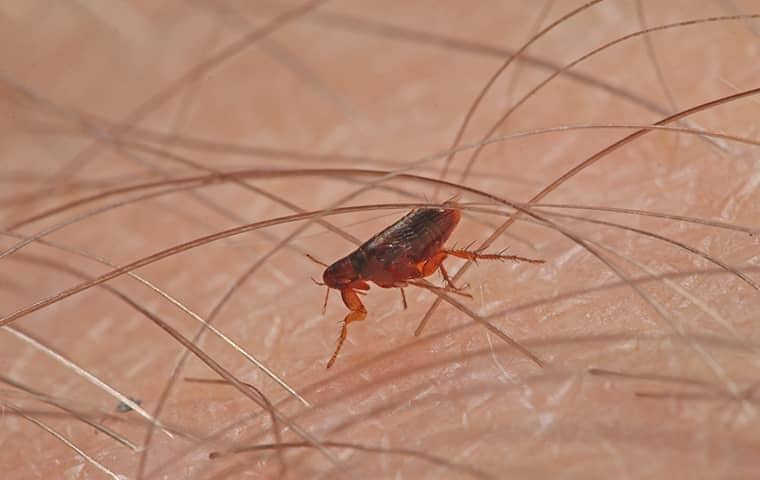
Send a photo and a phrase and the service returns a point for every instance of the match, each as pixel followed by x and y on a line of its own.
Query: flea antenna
pixel 327 295
pixel 318 262
pixel 317 282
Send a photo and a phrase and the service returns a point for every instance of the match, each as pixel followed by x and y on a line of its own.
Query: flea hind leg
pixel 449 283
pixel 436 263
pixel 476 255
pixel 357 313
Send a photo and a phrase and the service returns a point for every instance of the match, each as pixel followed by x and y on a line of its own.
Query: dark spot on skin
pixel 124 408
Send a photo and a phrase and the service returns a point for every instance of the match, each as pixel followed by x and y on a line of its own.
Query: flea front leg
pixel 357 312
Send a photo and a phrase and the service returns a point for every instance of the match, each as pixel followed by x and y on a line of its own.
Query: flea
pixel 410 249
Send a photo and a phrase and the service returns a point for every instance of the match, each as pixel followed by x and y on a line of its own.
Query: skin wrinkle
pixel 569 174
pixel 232 174
pixel 234 231
pixel 409 71
pixel 463 309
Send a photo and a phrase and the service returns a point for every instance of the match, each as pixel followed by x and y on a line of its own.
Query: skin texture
pixel 329 90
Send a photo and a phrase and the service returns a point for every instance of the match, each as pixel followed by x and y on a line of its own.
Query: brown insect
pixel 410 249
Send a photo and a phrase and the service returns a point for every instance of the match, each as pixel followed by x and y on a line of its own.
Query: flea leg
pixel 436 263
pixel 447 279
pixel 476 255
pixel 327 297
pixel 357 313
pixel 403 297
pixel 429 266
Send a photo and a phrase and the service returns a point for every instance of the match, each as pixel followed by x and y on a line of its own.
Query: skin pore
pixel 135 128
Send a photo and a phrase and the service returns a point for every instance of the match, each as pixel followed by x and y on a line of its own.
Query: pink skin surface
pixel 338 87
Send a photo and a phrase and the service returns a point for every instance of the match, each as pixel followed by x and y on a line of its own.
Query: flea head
pixel 340 274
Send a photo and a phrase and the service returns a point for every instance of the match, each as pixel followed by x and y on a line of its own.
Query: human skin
pixel 650 351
